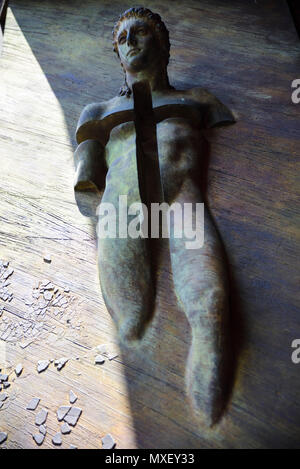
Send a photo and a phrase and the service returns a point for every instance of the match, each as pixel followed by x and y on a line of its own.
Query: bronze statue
pixel 106 158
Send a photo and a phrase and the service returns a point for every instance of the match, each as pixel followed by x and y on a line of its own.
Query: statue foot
pixel 85 186
pixel 204 382
pixel 131 331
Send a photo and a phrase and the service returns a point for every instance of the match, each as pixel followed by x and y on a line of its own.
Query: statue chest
pixel 179 145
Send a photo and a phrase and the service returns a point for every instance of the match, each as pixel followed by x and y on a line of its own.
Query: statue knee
pixel 210 307
pixel 131 331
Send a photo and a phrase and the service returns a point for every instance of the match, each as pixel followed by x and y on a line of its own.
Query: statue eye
pixel 122 39
pixel 141 31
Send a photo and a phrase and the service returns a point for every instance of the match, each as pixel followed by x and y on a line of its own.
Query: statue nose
pixel 131 39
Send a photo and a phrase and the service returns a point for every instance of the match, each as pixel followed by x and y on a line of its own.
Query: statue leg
pixel 200 280
pixel 125 277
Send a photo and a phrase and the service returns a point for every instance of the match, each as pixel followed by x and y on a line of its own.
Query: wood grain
pixel 57 57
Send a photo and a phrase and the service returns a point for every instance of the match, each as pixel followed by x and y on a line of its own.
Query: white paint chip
pixel 73 415
pixel 99 360
pixel 112 356
pixel 19 369
pixel 43 430
pixel 42 365
pixel 48 295
pixel 3 437
pixel 62 412
pixel 38 438
pixel 72 397
pixel 60 363
pixel 65 429
pixel 41 417
pixel 108 442
pixel 47 258
pixel 57 439
pixel 32 405
pixel 3 396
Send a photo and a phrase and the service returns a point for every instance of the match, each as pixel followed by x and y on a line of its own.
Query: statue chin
pixel 138 63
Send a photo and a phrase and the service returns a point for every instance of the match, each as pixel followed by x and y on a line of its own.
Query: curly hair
pixel 158 27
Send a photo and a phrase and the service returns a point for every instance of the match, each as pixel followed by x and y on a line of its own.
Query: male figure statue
pixel 106 137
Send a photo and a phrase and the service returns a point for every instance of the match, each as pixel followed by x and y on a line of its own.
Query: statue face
pixel 137 45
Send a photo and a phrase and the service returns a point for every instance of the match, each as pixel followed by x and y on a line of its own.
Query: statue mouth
pixel 133 52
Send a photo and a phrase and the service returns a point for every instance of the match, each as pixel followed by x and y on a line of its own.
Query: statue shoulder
pixel 217 113
pixel 95 111
pixel 202 95
pixel 92 113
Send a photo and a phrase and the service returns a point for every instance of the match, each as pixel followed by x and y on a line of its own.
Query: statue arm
pixel 90 165
pixel 216 114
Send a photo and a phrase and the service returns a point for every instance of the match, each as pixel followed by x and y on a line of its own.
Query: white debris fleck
pixel 60 363
pixel 102 348
pixel 33 403
pixel 42 365
pixel 73 415
pixel 44 283
pixel 19 369
pixel 108 442
pixel 42 304
pixel 25 344
pixel 107 350
pixel 62 412
pixel 48 295
pixel 41 417
pixel 112 356
pixel 65 429
pixel 47 258
pixel 3 437
pixel 43 430
pixel 73 447
pixel 72 397
pixel 38 438
pixel 99 360
pixel 3 396
pixel 8 273
pixel 57 439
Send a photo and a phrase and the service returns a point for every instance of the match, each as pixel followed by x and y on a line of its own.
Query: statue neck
pixel 158 80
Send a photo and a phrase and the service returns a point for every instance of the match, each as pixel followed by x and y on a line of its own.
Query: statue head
pixel 141 41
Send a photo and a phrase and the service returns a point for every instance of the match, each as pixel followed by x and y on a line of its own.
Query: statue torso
pixel 180 116
pixel 179 148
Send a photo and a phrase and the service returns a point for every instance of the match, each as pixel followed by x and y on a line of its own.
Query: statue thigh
pixel 200 276
pixel 125 278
